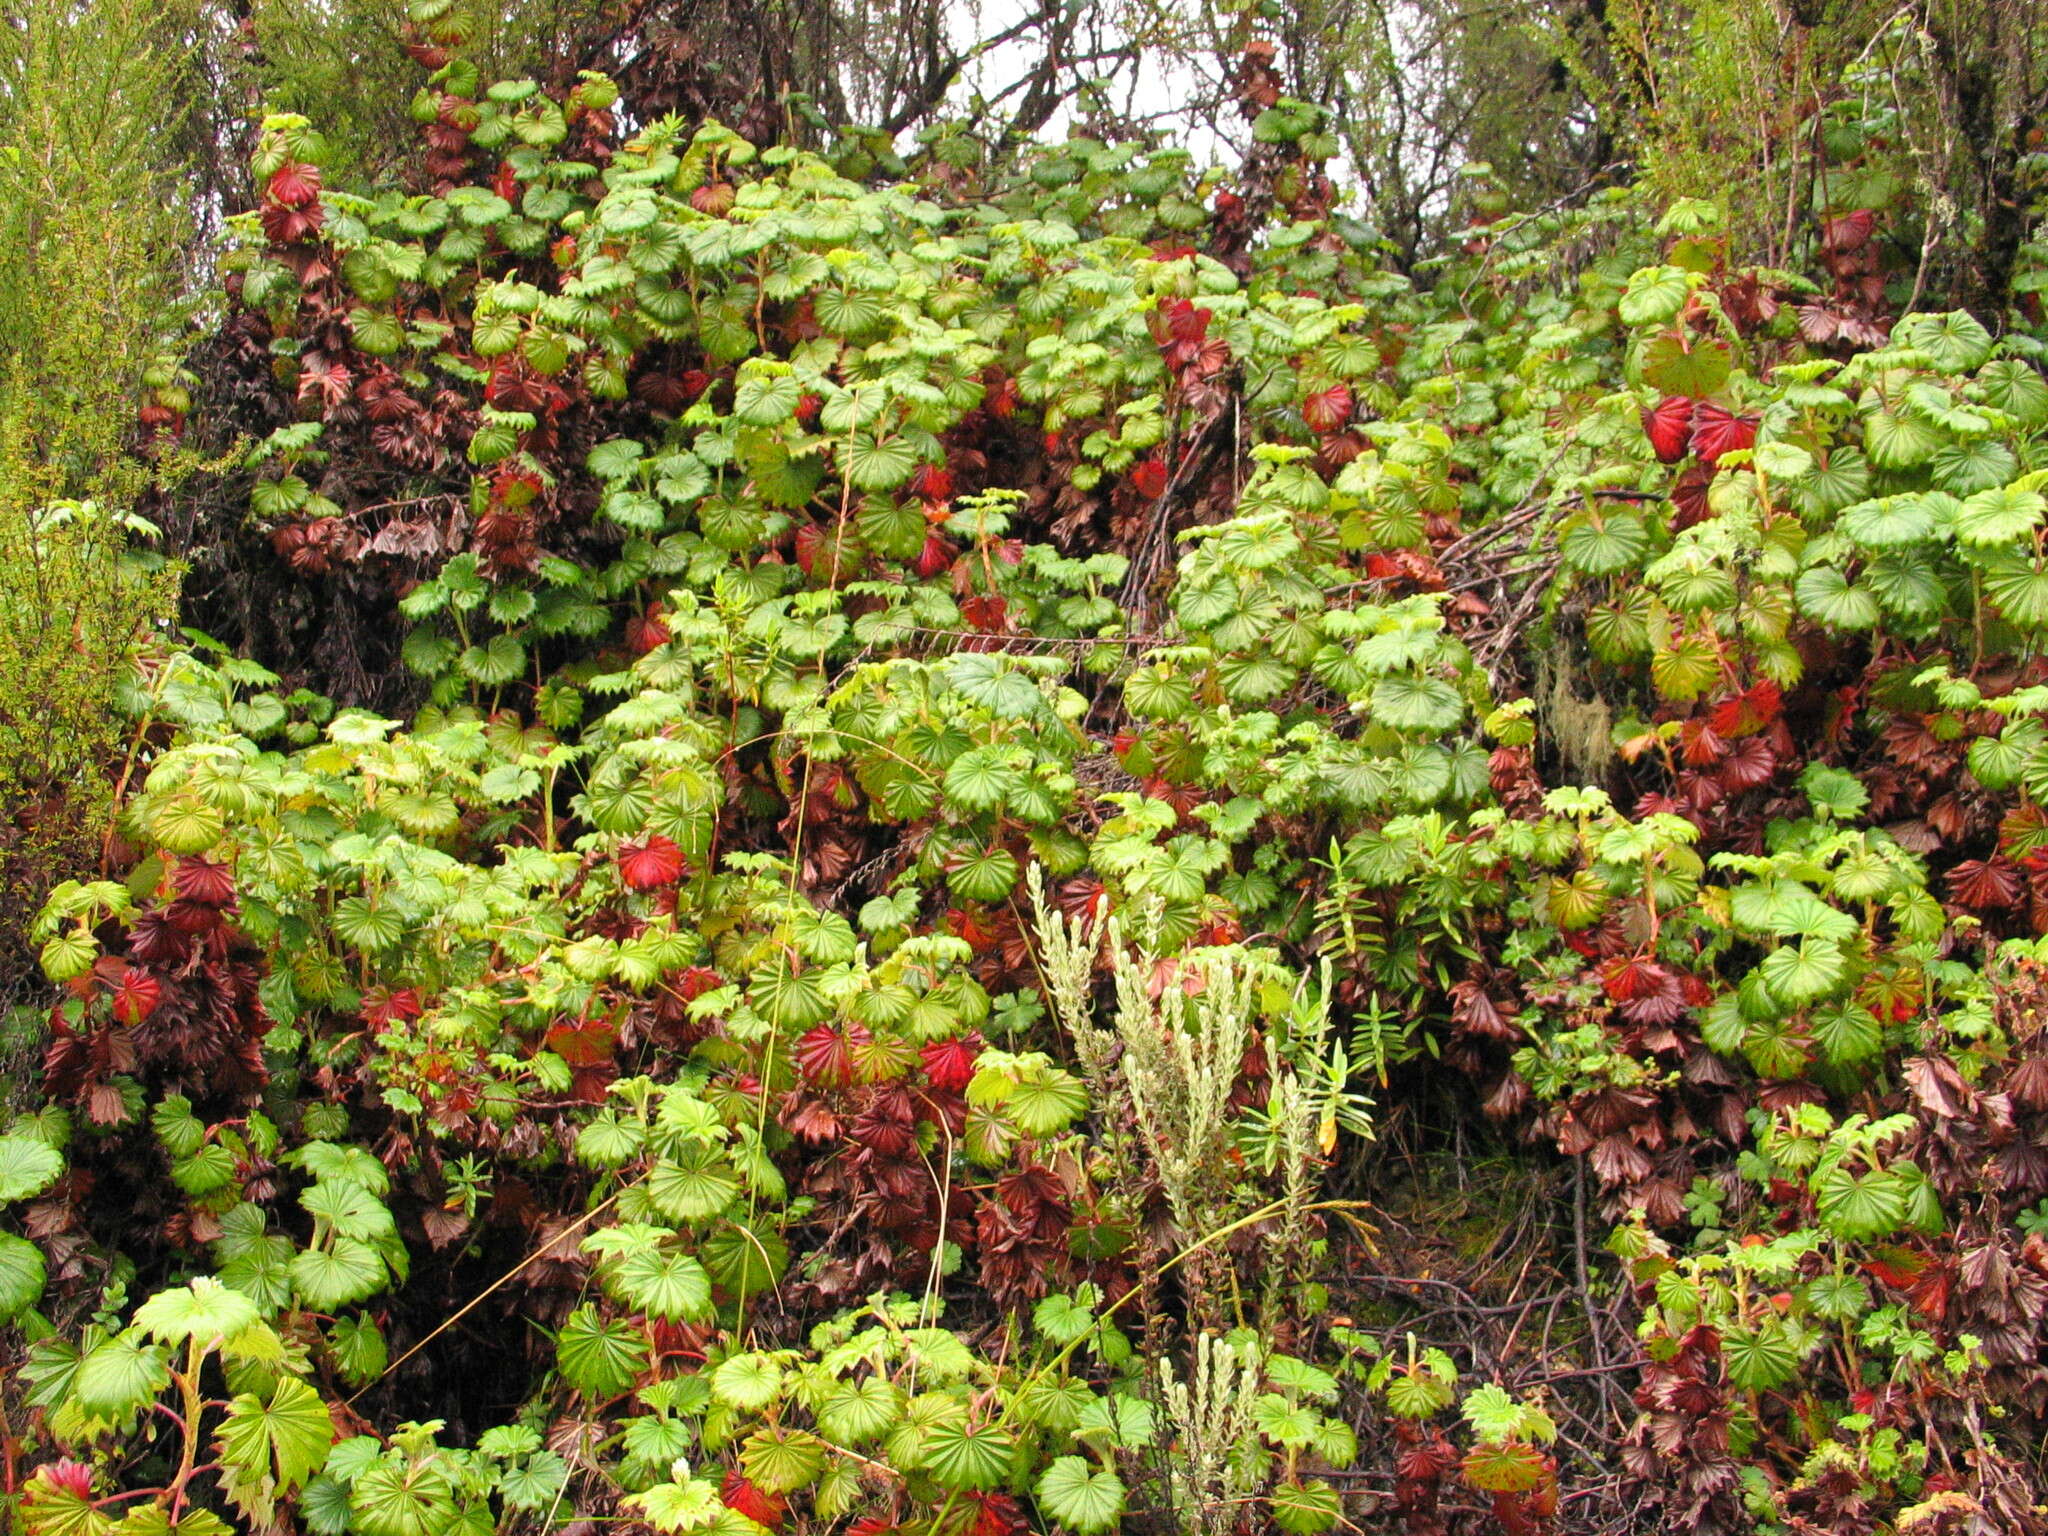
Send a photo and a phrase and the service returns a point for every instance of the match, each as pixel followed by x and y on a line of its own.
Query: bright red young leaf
pixel 136 995
pixel 1148 478
pixel 756 1504
pixel 826 1053
pixel 937 554
pixel 649 862
pixel 1668 425
pixel 294 184
pixel 1631 976
pixel 932 482
pixel 950 1063
pixel 383 1006
pixel 986 612
pixel 1716 432
pixel 647 630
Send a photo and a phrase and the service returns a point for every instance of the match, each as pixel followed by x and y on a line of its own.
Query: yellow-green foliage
pixel 89 249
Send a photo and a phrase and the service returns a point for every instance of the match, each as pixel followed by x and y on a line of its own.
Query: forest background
pixel 851 765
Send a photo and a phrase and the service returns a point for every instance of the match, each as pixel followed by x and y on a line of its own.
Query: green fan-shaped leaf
pixel 1955 340
pixel 1758 1359
pixel 748 1382
pixel 1417 704
pixel 28 1166
pixel 1999 517
pixel 1600 544
pixel 1890 521
pixel 1830 598
pixel 961 1457
pixel 118 1376
pixel 286 1438
pixel 22 1273
pixel 204 1310
pixel 1899 442
pixel 765 400
pixel 328 1280
pixel 985 875
pixel 599 1358
pixel 779 1459
pixel 855 1412
pixel 1654 296
pixel 872 463
pixel 668 1285
pixel 1860 1205
pixel 1081 1497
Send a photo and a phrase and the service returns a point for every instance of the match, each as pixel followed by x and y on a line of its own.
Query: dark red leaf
pixel 203 880
pixel 1632 976
pixel 584 1042
pixel 937 554
pixel 1749 763
pixel 825 1053
pixel 1327 409
pixel 1985 884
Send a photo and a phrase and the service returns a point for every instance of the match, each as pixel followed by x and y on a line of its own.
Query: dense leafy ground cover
pixel 978 739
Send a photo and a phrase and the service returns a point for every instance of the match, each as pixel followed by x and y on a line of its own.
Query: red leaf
pixel 932 482
pixel 825 1053
pixel 936 555
pixel 1327 409
pixel 203 880
pixel 808 537
pixel 1984 884
pixel 584 1042
pixel 1700 744
pixel 1148 478
pixel 1749 762
pixel 1632 976
pixel 1668 426
pixel 1750 710
pixel 950 1063
pixel 73 1477
pixel 985 612
pixel 1850 232
pixel 1898 1268
pixel 647 630
pixel 714 198
pixel 136 995
pixel 698 980
pixel 295 185
pixel 1000 1515
pixel 650 862
pixel 1689 497
pixel 1716 432
pixel 756 1504
pixel 1186 321
pixel 383 1006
